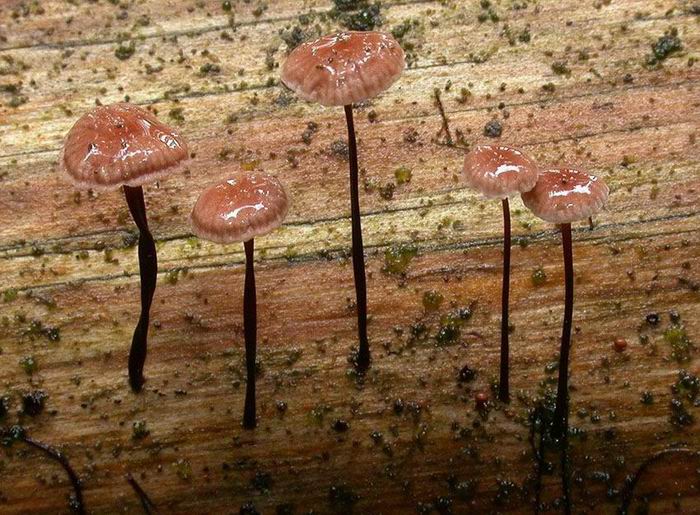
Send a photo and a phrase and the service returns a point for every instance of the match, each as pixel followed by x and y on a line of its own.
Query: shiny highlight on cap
pixel 344 68
pixel 564 195
pixel 498 171
pixel 246 205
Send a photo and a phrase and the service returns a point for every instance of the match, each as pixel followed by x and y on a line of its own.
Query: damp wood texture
pixel 610 86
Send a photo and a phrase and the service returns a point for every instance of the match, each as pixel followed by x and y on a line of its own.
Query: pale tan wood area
pixel 570 82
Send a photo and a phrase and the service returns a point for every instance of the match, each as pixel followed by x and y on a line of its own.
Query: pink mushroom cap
pixel 344 68
pixel 246 205
pixel 120 144
pixel 564 195
pixel 498 171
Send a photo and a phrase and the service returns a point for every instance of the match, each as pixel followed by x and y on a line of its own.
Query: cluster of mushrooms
pixel 122 145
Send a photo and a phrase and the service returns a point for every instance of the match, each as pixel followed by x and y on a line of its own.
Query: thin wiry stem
pixel 504 382
pixel 250 332
pixel 358 254
pixel 148 269
pixel 561 411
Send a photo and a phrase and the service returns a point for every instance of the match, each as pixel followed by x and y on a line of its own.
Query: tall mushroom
pixel 123 145
pixel 498 171
pixel 339 70
pixel 562 196
pixel 239 209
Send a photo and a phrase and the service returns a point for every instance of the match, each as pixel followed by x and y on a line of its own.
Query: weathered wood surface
pixel 67 258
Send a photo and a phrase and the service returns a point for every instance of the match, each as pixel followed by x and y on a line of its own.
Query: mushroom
pixel 498 171
pixel 562 196
pixel 123 145
pixel 339 70
pixel 238 209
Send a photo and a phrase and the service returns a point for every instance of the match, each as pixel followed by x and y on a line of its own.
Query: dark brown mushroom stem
pixel 560 424
pixel 538 450
pixel 250 332
pixel 76 502
pixel 148 269
pixel 541 423
pixel 503 384
pixel 358 254
pixel 565 480
pixel 561 411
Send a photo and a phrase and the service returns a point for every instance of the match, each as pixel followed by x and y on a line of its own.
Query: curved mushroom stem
pixel 503 384
pixel 561 411
pixel 56 455
pixel 358 255
pixel 250 331
pixel 148 269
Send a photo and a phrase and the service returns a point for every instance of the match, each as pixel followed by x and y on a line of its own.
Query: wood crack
pixel 544 100
pixel 314 256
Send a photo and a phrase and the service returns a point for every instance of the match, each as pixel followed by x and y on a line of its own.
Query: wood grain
pixel 580 92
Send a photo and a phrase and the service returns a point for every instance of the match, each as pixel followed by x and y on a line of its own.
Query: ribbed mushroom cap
pixel 564 195
pixel 120 144
pixel 498 171
pixel 344 68
pixel 247 205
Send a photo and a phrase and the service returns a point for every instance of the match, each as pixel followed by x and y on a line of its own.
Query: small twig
pixel 58 456
pixel 148 505
pixel 445 122
pixel 445 128
pixel 628 494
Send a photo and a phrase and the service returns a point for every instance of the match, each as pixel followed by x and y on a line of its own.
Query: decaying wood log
pixel 613 87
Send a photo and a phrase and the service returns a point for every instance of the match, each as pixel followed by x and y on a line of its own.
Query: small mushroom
pixel 239 209
pixel 123 145
pixel 339 70
pixel 498 171
pixel 562 196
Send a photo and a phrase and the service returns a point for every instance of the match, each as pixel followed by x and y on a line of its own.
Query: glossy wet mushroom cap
pixel 247 205
pixel 564 195
pixel 498 171
pixel 344 68
pixel 120 144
